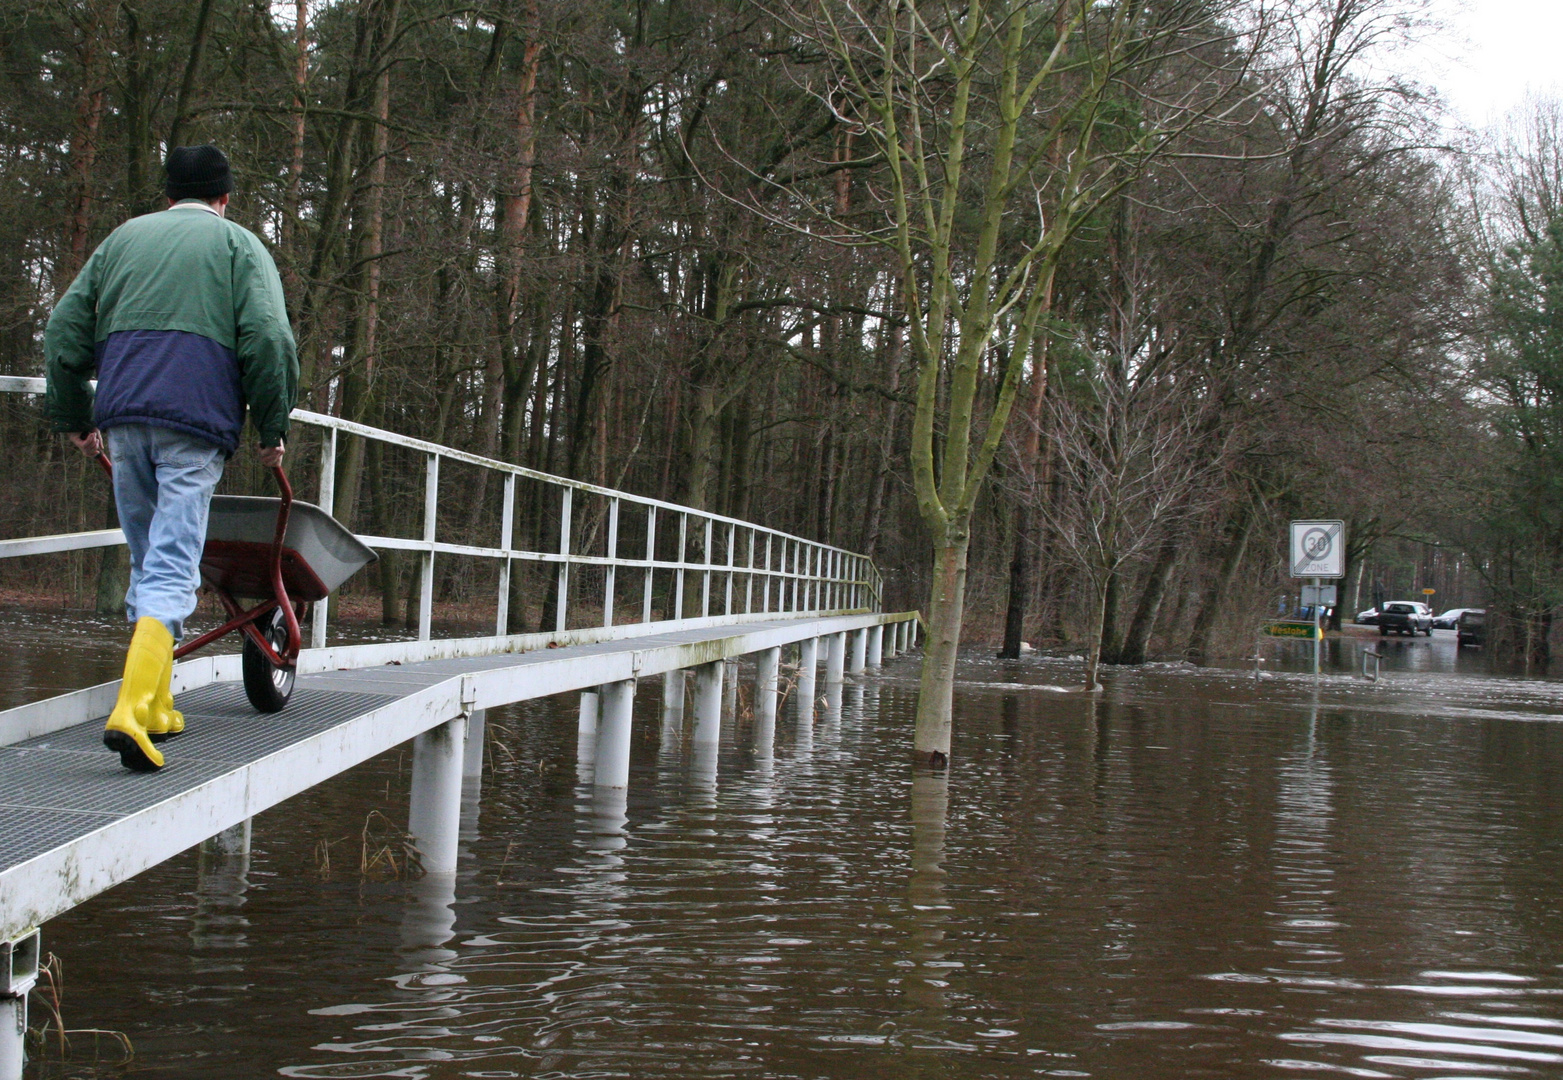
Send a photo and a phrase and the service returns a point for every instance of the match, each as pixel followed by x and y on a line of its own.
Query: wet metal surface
pixel 1197 875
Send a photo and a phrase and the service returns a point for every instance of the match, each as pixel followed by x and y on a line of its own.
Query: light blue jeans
pixel 163 484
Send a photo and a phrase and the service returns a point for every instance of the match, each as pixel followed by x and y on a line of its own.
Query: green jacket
pixel 182 316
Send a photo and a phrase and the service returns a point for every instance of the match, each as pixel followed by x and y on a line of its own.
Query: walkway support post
pixel 808 664
pixel 835 657
pixel 708 702
pixel 876 645
pixel 859 651
pixel 767 663
pixel 434 811
pixel 472 757
pixel 673 694
pixel 234 841
pixel 613 734
pixel 730 689
pixel 18 973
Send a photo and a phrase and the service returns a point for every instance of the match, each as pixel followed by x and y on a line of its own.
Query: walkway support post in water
pixel 586 719
pixel 876 646
pixel 673 693
pixel 730 689
pixel 808 665
pixel 835 657
pixel 613 734
pixel 887 642
pixel 234 841
pixel 708 702
pixel 767 663
pixel 472 757
pixel 859 651
pixel 18 973
pixel 434 811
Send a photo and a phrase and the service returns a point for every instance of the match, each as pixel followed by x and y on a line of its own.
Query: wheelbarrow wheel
pixel 266 685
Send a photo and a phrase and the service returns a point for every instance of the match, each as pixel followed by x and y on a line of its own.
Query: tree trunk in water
pixel 1110 639
pixel 1137 640
pixel 1093 651
pixel 1019 583
pixel 1205 621
pixel 931 740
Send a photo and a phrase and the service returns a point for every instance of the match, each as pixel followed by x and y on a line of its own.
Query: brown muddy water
pixel 1196 875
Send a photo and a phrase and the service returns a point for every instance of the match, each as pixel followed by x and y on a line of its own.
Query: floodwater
pixel 1196 875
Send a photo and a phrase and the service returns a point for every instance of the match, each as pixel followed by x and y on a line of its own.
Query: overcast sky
pixel 1491 53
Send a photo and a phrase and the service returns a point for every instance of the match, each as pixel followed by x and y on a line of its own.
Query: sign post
pixel 1318 550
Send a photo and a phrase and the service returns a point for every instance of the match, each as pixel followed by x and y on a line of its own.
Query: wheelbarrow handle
pixel 279 589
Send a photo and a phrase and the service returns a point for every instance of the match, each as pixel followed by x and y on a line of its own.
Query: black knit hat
pixel 197 172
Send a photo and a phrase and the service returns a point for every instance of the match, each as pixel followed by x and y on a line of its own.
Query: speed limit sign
pixel 1318 549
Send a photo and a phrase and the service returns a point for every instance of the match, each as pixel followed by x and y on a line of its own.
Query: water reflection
pixel 1189 875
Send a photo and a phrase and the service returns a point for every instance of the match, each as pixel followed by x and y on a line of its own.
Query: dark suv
pixel 1405 617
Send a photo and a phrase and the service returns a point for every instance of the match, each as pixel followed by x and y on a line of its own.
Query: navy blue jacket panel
pixel 172 379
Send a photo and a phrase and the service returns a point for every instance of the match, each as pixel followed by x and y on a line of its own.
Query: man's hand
pixel 89 443
pixel 271 456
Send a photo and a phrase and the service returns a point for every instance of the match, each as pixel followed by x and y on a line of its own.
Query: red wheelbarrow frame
pixel 240 619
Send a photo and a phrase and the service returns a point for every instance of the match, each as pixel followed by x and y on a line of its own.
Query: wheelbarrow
pixel 284 554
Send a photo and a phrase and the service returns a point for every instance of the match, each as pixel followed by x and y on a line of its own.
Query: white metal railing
pixel 794 575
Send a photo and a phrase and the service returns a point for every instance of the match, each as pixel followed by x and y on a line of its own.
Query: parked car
pixel 1448 619
pixel 1368 617
pixel 1472 627
pixel 1405 617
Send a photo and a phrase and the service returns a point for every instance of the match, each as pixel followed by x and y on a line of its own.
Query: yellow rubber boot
pixel 151 652
pixel 163 720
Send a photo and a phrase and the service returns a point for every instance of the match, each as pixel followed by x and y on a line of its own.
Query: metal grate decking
pixel 58 786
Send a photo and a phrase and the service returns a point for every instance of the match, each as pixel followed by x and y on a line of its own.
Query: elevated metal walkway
pixel 74 822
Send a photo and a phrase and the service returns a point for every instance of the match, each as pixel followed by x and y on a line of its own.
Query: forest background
pixel 623 242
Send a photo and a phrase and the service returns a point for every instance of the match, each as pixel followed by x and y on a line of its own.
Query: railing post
pixel 732 538
pixel 565 514
pixel 613 553
pixel 651 555
pixel 431 511
pixel 322 609
pixel 683 550
pixel 507 524
pixel 434 812
pixel 705 577
pixel 765 597
pixel 749 578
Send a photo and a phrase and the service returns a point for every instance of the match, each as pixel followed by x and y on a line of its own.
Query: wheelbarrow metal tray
pixel 318 553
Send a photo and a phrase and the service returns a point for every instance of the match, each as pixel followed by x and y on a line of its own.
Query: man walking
pixel 181 313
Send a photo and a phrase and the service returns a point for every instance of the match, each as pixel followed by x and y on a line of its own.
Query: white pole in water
pixel 766 663
pixel 613 734
pixel 835 657
pixel 808 665
pixel 876 645
pixel 434 811
pixel 673 695
pixel 586 735
pixel 859 651
pixel 708 702
pixel 472 757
